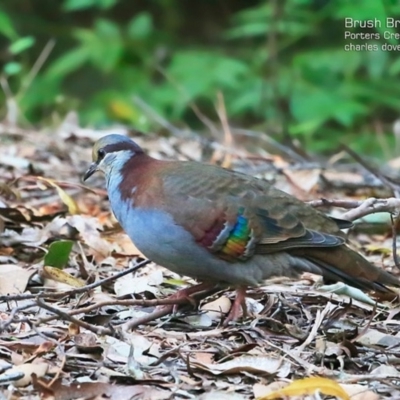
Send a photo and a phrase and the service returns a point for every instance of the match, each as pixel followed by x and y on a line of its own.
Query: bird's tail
pixel 343 264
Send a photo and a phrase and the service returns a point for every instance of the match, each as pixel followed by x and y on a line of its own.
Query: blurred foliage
pixel 281 65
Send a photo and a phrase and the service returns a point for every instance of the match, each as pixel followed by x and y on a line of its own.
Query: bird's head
pixel 110 153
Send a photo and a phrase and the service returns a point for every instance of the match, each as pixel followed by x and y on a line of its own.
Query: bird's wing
pixel 235 216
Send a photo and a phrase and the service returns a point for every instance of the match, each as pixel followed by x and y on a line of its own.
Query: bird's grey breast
pixel 153 231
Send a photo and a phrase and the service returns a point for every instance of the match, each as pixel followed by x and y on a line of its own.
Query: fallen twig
pixel 64 316
pixel 395 220
pixel 130 302
pixel 361 208
pixel 193 298
pixel 13 315
pixel 83 289
pixel 394 187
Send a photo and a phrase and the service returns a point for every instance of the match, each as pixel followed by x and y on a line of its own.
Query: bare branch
pixel 83 289
pixel 64 316
pixel 360 209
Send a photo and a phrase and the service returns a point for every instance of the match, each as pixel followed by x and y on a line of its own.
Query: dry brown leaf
pixel 44 347
pixel 40 369
pixel 305 180
pixel 144 351
pixel 87 343
pixel 29 236
pixel 385 370
pixel 328 348
pixel 13 279
pixel 343 177
pixel 218 395
pixel 139 284
pixel 217 308
pixel 64 196
pixel 254 364
pixel 89 228
pixel 260 390
pixel 203 358
pixel 73 329
pixel 101 390
pixel 375 337
pixel 360 392
pixel 124 245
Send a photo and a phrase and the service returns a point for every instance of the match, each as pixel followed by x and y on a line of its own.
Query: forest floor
pixel 65 301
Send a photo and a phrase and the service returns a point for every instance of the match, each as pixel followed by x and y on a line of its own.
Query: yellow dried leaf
pixel 374 248
pixel 124 110
pixel 61 276
pixel 309 386
pixel 64 196
pixel 175 282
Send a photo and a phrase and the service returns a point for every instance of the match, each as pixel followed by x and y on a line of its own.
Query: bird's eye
pixel 100 154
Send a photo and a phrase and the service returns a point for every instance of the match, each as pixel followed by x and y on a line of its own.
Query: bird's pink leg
pixel 187 292
pixel 161 311
pixel 238 303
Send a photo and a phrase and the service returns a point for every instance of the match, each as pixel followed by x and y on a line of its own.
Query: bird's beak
pixel 92 169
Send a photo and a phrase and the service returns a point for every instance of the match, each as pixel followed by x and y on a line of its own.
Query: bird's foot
pixel 238 304
pixel 188 292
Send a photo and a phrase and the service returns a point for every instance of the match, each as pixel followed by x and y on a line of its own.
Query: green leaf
pixel 188 68
pixel 37 97
pixel 313 106
pixel 394 69
pixel 105 4
pixel 21 44
pixel 376 63
pixel 7 27
pixel 76 5
pixel 106 28
pixel 12 68
pixel 67 63
pixel 58 254
pixel 73 5
pixel 140 26
pixel 103 46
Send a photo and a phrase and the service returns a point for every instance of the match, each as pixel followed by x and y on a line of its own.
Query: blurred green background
pixel 281 66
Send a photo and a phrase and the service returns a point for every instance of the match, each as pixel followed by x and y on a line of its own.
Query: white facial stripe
pixel 115 161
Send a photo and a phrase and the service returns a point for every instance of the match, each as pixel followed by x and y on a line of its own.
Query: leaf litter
pixel 64 296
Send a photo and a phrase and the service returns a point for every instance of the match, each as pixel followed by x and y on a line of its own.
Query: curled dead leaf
pixel 309 386
pixel 13 279
pixel 40 369
pixel 217 308
pixel 360 392
pixel 64 196
pixel 61 276
pixel 253 364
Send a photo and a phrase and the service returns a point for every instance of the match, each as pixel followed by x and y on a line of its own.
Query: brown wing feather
pixel 216 200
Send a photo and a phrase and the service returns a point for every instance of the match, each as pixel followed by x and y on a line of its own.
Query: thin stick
pixel 64 316
pixel 72 292
pixel 143 303
pixel 395 220
pixel 360 209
